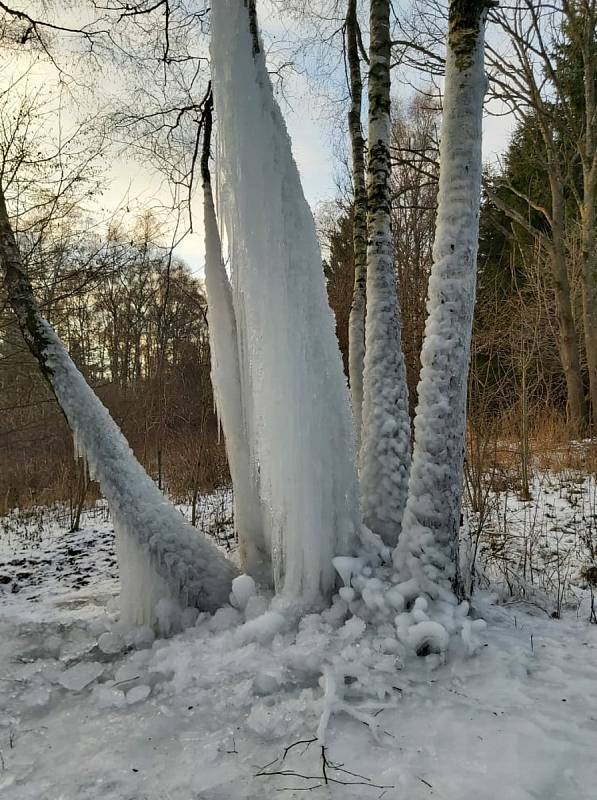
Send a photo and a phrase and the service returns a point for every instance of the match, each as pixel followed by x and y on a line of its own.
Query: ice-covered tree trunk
pixel 226 380
pixel 161 558
pixel 428 547
pixel 385 434
pixel 356 320
pixel 300 427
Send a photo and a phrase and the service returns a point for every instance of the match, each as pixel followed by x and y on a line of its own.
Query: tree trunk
pixel 160 556
pixel 588 153
pixel 385 438
pixel 428 550
pixel 589 295
pixel 568 340
pixel 356 321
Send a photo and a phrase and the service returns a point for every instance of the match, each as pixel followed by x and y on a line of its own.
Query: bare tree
pixel 525 78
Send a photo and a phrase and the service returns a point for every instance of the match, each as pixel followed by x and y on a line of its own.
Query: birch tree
pixel 385 445
pixel 356 321
pixel 427 550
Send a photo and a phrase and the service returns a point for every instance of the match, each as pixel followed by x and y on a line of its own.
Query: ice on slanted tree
pixel 160 556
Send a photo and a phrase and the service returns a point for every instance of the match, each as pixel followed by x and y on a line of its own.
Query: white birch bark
pixel 226 380
pixel 385 435
pixel 428 548
pixel 356 320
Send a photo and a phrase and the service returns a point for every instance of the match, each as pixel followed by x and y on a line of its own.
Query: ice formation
pixel 300 424
pixel 159 555
pixel 226 381
pixel 384 457
pixel 427 550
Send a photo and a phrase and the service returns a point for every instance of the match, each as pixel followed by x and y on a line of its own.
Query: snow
pixel 160 556
pixel 301 438
pixel 214 706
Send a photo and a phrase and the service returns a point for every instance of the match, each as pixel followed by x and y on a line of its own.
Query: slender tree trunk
pixel 160 557
pixel 226 380
pixel 588 152
pixel 568 339
pixel 589 262
pixel 356 321
pixel 428 550
pixel 385 438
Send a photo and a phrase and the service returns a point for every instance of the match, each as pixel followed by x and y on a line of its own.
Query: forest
pixel 298 397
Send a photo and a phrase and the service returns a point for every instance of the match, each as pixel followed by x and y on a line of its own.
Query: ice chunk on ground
pixel 110 643
pixel 81 675
pixel 137 694
pixel 243 588
pixel 109 697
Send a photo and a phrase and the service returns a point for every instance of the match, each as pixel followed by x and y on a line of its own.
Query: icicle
pixel 226 380
pixel 299 421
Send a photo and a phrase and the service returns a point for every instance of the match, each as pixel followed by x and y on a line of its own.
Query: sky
pixel 133 184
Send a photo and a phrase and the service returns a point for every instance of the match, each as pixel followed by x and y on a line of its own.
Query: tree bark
pixel 428 550
pixel 568 339
pixel 356 321
pixel 385 438
pixel 583 28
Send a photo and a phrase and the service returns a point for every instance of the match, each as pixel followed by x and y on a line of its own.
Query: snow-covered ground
pixel 88 711
pixel 538 548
